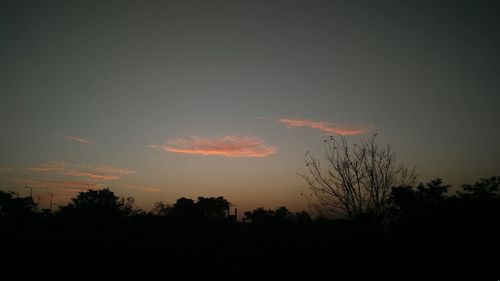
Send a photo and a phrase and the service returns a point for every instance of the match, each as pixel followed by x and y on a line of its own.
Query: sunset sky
pixel 163 99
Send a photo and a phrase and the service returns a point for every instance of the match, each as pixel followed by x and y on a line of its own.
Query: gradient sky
pixel 163 99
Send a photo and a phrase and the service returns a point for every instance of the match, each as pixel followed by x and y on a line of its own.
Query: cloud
pixel 326 127
pixel 70 185
pixel 228 146
pixel 141 187
pixel 6 170
pixel 86 171
pixel 79 140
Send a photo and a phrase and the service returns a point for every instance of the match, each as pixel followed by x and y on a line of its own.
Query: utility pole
pixel 51 198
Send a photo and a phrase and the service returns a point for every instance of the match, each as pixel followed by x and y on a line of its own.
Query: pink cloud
pixel 228 146
pixel 86 171
pixel 78 139
pixel 326 127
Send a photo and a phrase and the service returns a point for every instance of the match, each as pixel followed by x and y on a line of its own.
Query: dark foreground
pixel 286 249
pixel 423 233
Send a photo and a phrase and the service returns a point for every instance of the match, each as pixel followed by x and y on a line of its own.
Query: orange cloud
pixel 108 169
pixel 142 188
pixel 325 127
pixel 228 146
pixel 70 185
pixel 78 139
pixel 87 171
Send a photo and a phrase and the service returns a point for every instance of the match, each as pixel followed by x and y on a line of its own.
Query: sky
pixel 164 99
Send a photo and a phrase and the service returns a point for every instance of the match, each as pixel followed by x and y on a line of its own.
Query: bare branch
pixel 358 179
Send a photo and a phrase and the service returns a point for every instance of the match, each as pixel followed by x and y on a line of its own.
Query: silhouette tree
pixel 358 179
pixel 414 206
pixel 259 215
pixel 280 215
pixel 184 208
pixel 213 208
pixel 484 189
pixel 98 206
pixel 302 217
pixel 480 204
pixel 210 208
pixel 161 209
pixel 14 210
pixel 427 211
pixel 128 208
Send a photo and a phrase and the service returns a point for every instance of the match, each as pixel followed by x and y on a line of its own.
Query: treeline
pixel 428 211
pixel 103 207
pixel 412 209
pixel 426 220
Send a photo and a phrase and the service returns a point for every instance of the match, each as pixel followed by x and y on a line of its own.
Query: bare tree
pixel 358 178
